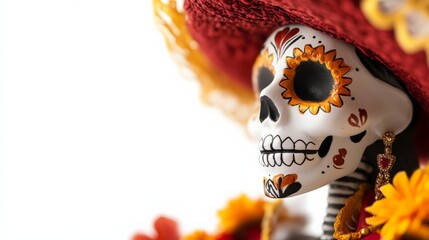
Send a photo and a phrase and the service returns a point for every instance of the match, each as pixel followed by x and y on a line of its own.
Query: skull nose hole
pixel 268 109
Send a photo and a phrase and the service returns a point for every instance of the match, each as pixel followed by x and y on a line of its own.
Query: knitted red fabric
pixel 232 32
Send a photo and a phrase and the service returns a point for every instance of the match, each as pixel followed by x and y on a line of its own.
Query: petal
pixel 302 108
pixel 326 107
pixel 422 187
pixel 402 184
pixel 375 220
pixel 390 192
pixel 415 178
pixel 336 100
pixel 371 209
pixel 278 179
pixel 377 206
pixel 289 74
pixel 403 226
pixel 167 229
pixel 389 230
pixel 294 102
pixel 314 109
pixel 415 224
pixel 383 208
pixel 288 179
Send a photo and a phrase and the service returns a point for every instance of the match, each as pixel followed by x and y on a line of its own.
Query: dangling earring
pixel 385 163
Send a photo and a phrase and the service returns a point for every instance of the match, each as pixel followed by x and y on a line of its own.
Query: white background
pixel 99 132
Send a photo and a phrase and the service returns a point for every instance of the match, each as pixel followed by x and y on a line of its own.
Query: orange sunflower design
pixel 314 79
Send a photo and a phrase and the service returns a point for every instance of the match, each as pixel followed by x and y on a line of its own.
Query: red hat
pixel 230 34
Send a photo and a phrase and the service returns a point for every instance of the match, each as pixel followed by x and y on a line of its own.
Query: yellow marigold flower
pixel 405 208
pixel 240 211
pixel 198 235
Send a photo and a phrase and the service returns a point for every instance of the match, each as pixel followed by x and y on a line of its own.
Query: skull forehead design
pixel 320 108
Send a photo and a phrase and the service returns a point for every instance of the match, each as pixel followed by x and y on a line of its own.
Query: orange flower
pixel 405 208
pixel 240 211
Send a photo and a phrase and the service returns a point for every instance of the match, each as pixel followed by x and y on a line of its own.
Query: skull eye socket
pixel 315 80
pixel 263 71
pixel 264 78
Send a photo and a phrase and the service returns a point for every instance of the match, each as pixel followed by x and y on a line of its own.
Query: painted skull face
pixel 320 108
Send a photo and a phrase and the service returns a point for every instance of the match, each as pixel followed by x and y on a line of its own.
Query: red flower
pixel 166 229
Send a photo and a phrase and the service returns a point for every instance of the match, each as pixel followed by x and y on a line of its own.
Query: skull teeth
pixel 277 142
pixel 271 143
pixel 268 142
pixel 288 159
pixel 287 144
pixel 299 158
pixel 300 144
pixel 278 152
pixel 279 159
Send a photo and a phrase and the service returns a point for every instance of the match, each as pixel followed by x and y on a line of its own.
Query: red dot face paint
pixel 339 158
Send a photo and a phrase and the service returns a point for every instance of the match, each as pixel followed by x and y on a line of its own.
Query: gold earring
pixel 385 163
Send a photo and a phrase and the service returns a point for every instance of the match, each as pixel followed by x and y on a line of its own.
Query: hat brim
pixel 231 34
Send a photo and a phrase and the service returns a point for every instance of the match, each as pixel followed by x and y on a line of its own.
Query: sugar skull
pixel 320 108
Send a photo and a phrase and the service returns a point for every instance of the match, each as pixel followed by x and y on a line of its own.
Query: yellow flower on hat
pixel 405 208
pixel 408 18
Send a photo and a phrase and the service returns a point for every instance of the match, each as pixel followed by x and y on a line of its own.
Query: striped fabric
pixel 339 191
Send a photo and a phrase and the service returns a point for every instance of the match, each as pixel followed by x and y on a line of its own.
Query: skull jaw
pixel 342 159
